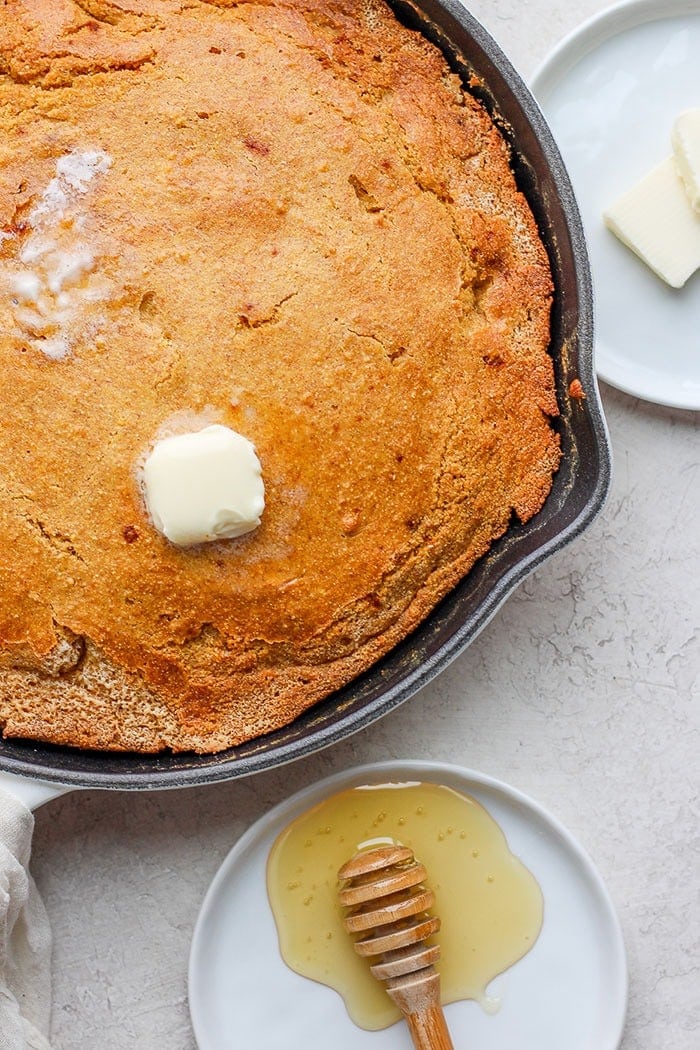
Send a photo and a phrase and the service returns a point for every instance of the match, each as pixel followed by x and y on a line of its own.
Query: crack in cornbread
pixel 298 225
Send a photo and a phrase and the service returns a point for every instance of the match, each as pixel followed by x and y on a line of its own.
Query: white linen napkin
pixel 25 937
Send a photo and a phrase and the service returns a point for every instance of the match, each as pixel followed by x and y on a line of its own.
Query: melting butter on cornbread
pixel 50 274
pixel 204 486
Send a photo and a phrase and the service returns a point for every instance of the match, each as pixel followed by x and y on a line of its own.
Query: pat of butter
pixel 656 220
pixel 204 486
pixel 685 138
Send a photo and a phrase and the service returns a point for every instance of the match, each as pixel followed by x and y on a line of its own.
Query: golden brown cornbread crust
pixel 311 234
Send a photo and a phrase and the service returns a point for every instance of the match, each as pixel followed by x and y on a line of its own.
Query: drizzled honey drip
pixel 388 913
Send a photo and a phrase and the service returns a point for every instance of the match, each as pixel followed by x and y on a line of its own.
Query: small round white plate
pixel 611 92
pixel 569 991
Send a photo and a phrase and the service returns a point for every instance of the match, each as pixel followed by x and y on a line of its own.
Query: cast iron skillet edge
pixel 577 496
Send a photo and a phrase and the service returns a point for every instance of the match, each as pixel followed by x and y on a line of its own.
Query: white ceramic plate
pixel 610 92
pixel 569 991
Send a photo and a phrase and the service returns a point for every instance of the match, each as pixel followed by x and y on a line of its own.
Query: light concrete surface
pixel 582 692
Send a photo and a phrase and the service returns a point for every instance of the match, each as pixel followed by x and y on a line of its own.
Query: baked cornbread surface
pixel 291 219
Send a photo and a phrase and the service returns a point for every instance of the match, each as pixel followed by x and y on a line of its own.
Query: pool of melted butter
pixel 490 905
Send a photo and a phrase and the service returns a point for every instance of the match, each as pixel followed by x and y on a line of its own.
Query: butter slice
pixel 685 138
pixel 656 220
pixel 204 486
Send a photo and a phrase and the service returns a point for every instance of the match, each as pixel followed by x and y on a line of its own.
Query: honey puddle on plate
pixel 489 903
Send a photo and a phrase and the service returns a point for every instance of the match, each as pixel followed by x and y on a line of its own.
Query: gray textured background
pixel 582 692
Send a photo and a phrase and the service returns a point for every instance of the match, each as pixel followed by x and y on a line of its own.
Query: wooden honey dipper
pixel 387 904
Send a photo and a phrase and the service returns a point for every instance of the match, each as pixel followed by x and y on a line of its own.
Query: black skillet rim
pixel 578 494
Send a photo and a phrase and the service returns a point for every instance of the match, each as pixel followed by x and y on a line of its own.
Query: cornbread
pixel 289 219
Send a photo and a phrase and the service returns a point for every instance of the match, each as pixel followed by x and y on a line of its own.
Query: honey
pixel 490 904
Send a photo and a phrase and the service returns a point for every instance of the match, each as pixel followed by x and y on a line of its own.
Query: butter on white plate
pixel 204 486
pixel 657 221
pixel 685 138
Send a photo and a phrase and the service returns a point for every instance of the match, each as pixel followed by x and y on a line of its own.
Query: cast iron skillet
pixel 579 489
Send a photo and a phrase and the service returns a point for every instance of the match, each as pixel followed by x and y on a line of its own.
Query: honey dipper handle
pixel 429 1029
